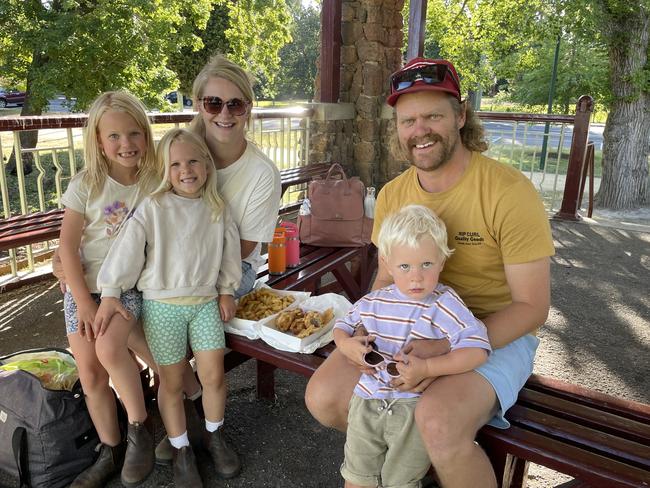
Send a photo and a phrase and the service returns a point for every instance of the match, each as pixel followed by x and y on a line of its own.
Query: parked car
pixel 11 97
pixel 173 98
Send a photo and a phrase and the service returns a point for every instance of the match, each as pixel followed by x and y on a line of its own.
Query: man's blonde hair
pixel 209 190
pixel 97 166
pixel 220 66
pixel 409 226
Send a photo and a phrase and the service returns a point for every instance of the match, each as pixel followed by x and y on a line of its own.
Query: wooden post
pixel 417 27
pixel 330 51
pixel 570 203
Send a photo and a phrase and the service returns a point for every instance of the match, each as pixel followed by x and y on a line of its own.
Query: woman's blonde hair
pixel 220 66
pixel 96 164
pixel 472 134
pixel 209 190
pixel 409 226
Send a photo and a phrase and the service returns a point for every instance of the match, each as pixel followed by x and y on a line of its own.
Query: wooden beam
pixel 417 28
pixel 330 51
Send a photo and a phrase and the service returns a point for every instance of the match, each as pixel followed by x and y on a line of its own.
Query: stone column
pixel 371 50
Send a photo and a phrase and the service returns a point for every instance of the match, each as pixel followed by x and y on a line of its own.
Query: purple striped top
pixel 395 320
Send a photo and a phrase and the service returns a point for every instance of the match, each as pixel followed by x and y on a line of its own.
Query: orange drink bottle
pixel 277 252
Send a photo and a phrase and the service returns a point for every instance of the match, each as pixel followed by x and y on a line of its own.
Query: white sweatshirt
pixel 172 248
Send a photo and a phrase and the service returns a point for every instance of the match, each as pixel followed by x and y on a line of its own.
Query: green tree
pixel 257 30
pixel 513 39
pixel 83 47
pixel 298 58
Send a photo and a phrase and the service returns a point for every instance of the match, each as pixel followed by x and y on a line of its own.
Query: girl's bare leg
pixel 213 379
pixel 113 352
pixel 99 395
pixel 170 398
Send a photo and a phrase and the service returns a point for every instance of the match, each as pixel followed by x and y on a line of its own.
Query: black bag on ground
pixel 46 435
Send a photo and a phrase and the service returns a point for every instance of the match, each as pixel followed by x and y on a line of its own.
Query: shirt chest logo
pixel 468 238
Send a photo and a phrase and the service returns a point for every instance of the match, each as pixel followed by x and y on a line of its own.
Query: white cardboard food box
pixel 288 342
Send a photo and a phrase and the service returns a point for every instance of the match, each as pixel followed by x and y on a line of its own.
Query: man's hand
pixel 86 311
pixel 109 307
pixel 227 307
pixel 424 348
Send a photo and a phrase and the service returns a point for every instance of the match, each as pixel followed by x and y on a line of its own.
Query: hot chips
pixel 261 303
pixel 302 323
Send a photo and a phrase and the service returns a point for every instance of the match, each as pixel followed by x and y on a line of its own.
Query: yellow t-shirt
pixel 494 216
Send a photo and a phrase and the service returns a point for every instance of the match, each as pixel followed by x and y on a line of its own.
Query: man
pixel 498 228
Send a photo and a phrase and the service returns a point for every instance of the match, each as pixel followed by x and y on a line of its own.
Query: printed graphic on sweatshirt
pixel 115 215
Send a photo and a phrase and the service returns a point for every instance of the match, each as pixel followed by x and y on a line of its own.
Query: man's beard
pixel 445 150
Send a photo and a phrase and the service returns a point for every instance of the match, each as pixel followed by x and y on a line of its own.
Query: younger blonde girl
pixel 182 249
pixel 119 172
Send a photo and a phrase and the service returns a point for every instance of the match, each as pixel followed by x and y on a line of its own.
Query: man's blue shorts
pixel 507 370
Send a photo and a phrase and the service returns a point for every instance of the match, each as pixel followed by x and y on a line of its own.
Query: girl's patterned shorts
pixel 167 328
pixel 131 300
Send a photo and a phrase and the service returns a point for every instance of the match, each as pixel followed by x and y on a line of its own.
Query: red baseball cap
pixel 423 74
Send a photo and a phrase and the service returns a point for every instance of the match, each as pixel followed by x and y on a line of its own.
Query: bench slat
pixel 589 416
pixel 585 437
pixel 598 470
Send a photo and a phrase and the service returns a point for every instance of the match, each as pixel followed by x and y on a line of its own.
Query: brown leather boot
pixel 139 457
pixel 186 474
pixel 105 466
pixel 226 461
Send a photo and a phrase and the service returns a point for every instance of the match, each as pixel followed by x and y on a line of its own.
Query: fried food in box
pixel 301 323
pixel 261 303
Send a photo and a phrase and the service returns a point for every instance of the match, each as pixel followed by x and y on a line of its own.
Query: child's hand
pixel 109 307
pixel 413 371
pixel 86 311
pixel 354 348
pixel 227 307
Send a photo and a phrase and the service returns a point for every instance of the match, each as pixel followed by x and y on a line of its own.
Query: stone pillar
pixel 371 50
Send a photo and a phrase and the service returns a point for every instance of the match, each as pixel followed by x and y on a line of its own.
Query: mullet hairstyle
pixel 220 66
pixel 472 134
pixel 408 226
pixel 96 165
pixel 209 191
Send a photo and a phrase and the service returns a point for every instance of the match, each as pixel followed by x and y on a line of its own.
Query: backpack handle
pixel 19 447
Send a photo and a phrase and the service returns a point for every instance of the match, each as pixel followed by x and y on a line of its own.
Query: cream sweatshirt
pixel 172 248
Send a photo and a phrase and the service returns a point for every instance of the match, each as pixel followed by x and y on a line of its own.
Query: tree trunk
pixel 28 138
pixel 626 145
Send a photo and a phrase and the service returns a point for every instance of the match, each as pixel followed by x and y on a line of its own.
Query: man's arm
pixel 530 287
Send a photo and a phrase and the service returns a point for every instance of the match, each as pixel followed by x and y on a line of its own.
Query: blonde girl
pixel 182 249
pixel 119 172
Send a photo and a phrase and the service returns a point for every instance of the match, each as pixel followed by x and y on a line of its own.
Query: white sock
pixel 180 441
pixel 213 426
pixel 196 395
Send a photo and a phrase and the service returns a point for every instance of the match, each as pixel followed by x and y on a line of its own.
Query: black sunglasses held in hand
pixel 432 74
pixel 214 105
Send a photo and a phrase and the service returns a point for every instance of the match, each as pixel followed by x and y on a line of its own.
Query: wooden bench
pixel 599 440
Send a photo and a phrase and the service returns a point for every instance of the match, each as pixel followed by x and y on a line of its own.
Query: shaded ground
pixel 597 335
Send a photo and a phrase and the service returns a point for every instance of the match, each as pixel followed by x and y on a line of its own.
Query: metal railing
pixel 38 175
pixel 555 166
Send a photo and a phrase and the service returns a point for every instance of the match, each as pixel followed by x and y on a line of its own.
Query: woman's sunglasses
pixel 431 74
pixel 375 359
pixel 214 105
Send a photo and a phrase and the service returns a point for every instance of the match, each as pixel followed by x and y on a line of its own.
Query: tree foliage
pixel 298 58
pixel 81 48
pixel 257 30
